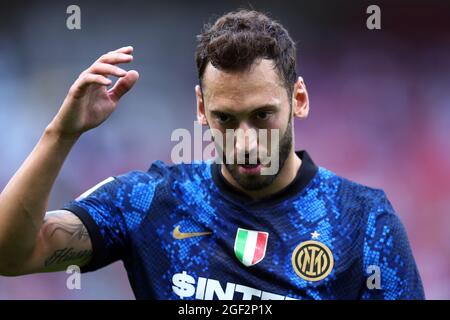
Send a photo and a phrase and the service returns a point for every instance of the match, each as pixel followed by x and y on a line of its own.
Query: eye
pixel 223 118
pixel 263 115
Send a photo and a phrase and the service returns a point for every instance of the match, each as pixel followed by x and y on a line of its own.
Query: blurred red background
pixel 380 106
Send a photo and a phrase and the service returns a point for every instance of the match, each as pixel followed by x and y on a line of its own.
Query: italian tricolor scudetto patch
pixel 250 246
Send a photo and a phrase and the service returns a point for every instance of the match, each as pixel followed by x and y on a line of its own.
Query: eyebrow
pixel 227 111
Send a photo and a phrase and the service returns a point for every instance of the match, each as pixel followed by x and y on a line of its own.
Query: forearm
pixel 24 200
pixel 24 239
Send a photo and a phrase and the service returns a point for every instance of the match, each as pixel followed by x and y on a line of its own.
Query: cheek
pixel 218 135
pixel 277 121
pixel 276 129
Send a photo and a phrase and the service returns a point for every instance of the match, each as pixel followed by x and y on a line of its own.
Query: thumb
pixel 123 85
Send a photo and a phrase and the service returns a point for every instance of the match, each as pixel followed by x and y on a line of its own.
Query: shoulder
pixel 369 204
pixel 183 171
pixel 161 176
pixel 365 206
pixel 350 192
pixel 161 171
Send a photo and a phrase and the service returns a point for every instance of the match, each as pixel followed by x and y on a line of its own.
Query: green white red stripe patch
pixel 250 246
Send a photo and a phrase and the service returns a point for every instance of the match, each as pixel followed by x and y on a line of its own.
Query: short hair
pixel 237 39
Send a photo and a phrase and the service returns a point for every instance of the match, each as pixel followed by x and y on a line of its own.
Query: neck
pixel 284 178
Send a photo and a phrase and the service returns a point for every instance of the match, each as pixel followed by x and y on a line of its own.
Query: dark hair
pixel 237 39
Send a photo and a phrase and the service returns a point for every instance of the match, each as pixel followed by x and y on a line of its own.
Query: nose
pixel 246 139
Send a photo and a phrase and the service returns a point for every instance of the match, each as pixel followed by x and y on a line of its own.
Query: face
pixel 249 101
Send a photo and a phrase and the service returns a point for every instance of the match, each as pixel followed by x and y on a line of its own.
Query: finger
pixel 123 85
pixel 106 69
pixel 115 58
pixel 80 86
pixel 127 50
pixel 87 79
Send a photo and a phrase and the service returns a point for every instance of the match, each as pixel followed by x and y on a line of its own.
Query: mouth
pixel 250 168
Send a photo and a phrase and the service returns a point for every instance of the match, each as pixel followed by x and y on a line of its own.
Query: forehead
pixel 238 90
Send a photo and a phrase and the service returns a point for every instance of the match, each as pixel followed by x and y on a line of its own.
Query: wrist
pixel 52 131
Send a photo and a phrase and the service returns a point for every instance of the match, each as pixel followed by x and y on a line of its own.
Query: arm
pixel 61 241
pixel 28 242
pixel 386 247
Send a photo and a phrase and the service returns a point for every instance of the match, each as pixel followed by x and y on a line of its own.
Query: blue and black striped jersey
pixel 183 232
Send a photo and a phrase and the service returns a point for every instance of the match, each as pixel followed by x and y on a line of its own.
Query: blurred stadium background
pixel 380 106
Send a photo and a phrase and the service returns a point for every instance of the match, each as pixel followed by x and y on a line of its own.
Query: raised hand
pixel 89 101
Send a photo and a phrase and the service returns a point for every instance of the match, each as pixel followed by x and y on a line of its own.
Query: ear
pixel 300 100
pixel 201 114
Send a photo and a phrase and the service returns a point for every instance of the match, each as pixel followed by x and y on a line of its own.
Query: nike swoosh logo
pixel 177 234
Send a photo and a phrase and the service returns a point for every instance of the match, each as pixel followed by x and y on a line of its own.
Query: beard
pixel 258 182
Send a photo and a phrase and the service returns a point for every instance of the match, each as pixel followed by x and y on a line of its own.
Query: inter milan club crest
pixel 312 260
pixel 250 246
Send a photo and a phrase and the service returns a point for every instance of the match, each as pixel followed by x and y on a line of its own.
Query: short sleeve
pixel 111 210
pixel 386 247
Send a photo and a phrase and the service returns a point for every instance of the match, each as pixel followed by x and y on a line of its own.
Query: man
pixel 212 230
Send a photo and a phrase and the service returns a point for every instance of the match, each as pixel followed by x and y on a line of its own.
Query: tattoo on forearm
pixel 68 229
pixel 55 221
pixel 67 255
pixel 75 230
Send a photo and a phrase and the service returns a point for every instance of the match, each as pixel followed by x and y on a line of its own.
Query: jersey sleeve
pixel 387 251
pixel 111 211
